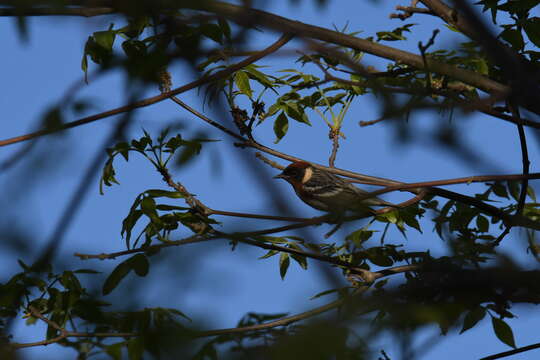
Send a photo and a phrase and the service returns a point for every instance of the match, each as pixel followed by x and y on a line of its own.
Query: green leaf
pixel 107 176
pixel 295 112
pixel 53 119
pixel 514 189
pixel 115 350
pixel 241 80
pixel 531 193
pixel 513 37
pixel 165 193
pixel 284 263
pixel 503 331
pixel 213 32
pixel 360 236
pixel 482 223
pixel 532 29
pixel 128 223
pixel 135 348
pixel 472 318
pixel 105 39
pixel 258 76
pixel 139 263
pixel 270 253
pixel 86 271
pixel 301 260
pixel 281 126
pixel 70 282
pixel 84 67
pixel 116 276
pixel 323 293
pixel 148 207
pixel 225 28
pixel 123 148
pixel 134 48
pixel 499 190
pixel 379 257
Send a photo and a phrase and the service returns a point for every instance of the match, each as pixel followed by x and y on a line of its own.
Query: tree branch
pixel 60 11
pixel 155 99
pixel 281 322
pixel 512 352
pixel 63 332
pixel 249 17
pixel 408 11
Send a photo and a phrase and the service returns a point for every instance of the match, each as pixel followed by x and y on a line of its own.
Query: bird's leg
pixel 336 218
pixel 334 229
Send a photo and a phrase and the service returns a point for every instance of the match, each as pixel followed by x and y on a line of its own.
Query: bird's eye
pixel 292 172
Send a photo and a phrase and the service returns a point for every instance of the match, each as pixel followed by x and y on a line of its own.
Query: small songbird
pixel 325 191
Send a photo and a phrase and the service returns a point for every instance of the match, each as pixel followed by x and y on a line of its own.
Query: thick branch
pixel 249 17
pixel 450 16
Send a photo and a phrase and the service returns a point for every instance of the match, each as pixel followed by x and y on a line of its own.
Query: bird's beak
pixel 280 176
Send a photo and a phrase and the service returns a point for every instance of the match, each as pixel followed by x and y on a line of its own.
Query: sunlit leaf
pixel 242 82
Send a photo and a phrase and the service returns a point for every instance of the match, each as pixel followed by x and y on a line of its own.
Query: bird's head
pixel 298 172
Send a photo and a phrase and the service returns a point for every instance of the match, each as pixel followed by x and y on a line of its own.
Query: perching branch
pixel 395 185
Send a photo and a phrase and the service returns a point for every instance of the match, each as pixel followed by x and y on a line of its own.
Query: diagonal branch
pixel 277 323
pixel 155 99
pixel 512 352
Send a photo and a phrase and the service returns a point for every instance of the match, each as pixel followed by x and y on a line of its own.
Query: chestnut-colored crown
pixel 299 164
pixel 295 172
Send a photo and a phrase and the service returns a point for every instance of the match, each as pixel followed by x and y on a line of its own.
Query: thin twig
pixel 334 136
pixel 409 11
pixel 525 166
pixel 363 123
pixel 313 312
pixel 63 332
pixel 190 199
pixel 423 49
pixel 207 119
pixel 273 164
pixel 276 323
pixel 511 352
pixel 148 249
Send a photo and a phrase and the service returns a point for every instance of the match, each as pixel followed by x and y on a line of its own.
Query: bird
pixel 327 192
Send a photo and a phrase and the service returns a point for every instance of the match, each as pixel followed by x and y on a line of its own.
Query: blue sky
pixel 38 72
